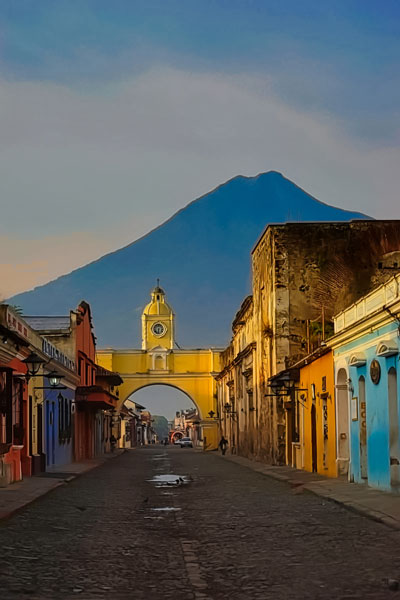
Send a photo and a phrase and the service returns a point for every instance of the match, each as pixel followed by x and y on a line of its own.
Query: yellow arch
pixel 190 371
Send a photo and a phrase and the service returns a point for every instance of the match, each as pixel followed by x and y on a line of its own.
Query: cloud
pixel 31 262
pixel 105 165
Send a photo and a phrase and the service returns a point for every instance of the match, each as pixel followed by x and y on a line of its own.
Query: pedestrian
pixel 223 444
pixel 113 441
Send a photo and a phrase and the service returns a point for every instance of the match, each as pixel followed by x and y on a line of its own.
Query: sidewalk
pixel 383 507
pixel 20 494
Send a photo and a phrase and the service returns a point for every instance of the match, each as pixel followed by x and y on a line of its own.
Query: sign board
pixel 354 409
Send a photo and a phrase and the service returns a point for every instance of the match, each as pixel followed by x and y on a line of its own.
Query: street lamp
pixel 33 363
pixel 54 379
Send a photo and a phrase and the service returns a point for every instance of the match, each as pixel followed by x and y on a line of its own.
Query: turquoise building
pixel 366 349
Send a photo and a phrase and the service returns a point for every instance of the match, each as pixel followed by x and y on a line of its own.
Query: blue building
pixel 59 441
pixel 366 348
pixel 58 407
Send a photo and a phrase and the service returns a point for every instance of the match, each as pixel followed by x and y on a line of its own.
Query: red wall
pixel 85 358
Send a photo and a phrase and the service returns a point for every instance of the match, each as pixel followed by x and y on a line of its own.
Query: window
pixel 5 406
pixel 60 417
pixel 17 411
pixel 67 418
pixel 64 418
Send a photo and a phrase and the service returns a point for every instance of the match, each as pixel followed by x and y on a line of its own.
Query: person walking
pixel 223 444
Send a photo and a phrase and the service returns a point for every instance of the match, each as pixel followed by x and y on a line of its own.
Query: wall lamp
pixel 54 381
pixel 285 384
pixel 212 415
pixel 228 409
pixel 33 364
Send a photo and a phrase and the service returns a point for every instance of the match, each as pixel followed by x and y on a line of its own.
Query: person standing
pixel 223 444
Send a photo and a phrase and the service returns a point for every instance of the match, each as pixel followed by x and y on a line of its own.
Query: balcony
pixel 96 397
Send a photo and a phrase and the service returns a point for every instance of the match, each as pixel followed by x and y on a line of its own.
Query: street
pixel 211 529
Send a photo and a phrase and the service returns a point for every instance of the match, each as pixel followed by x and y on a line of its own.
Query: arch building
pixel 161 362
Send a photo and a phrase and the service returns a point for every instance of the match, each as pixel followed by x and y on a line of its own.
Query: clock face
pixel 159 329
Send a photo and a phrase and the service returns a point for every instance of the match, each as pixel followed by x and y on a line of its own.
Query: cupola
pixel 157 321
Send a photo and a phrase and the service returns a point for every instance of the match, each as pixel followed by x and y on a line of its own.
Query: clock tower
pixel 158 322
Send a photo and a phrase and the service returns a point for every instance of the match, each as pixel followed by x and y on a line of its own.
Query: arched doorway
pixel 172 412
pixel 342 422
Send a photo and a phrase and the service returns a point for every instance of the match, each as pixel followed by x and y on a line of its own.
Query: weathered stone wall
pixel 300 270
pixel 235 385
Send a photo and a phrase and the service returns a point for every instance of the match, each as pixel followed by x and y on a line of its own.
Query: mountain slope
pixel 201 255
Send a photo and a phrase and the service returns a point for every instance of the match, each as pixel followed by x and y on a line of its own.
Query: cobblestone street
pixel 233 534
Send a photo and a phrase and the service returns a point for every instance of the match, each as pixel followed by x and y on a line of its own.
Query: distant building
pixel 186 424
pixel 149 435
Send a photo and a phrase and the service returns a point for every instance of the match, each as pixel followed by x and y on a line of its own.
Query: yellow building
pixel 306 392
pixel 317 415
pixel 159 362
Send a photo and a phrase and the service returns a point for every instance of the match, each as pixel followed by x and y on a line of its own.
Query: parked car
pixel 186 442
pixel 177 442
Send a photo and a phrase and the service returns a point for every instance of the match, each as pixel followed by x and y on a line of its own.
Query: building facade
pixel 366 355
pixel 237 400
pixel 14 397
pixel 313 415
pixel 161 362
pixel 298 285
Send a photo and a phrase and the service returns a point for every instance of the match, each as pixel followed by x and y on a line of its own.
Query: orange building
pixel 15 346
pixel 96 396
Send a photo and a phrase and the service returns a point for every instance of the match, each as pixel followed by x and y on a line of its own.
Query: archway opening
pixel 167 414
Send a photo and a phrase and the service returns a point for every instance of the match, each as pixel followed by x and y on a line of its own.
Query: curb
pixel 4 515
pixel 349 505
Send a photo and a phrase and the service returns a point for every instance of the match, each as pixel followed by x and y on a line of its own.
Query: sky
pixel 114 115
pixel 162 400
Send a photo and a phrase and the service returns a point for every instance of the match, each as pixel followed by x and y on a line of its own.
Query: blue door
pixel 50 434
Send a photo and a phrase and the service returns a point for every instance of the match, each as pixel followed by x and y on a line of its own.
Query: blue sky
pixel 340 56
pixel 115 114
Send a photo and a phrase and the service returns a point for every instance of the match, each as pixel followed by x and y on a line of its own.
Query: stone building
pixel 236 406
pixel 303 274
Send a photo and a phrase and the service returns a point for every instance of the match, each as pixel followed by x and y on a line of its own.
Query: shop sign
pixel 59 356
